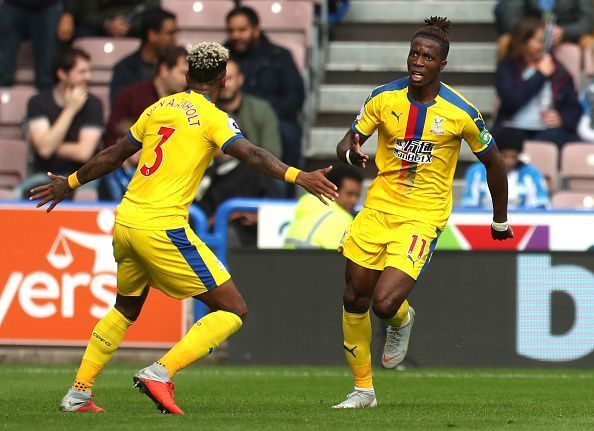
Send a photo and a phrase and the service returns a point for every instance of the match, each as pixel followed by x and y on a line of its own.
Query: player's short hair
pixel 207 61
pixel 248 12
pixel 65 59
pixel 171 56
pixel 436 28
pixel 339 173
pixel 152 19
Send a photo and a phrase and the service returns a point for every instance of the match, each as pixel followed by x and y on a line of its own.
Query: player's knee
pixel 384 309
pixel 240 308
pixel 355 304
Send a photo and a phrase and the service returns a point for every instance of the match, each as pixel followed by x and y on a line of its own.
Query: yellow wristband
pixel 291 174
pixel 73 182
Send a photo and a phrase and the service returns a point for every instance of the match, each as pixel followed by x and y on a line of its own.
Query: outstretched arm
pixel 351 144
pixel 264 162
pixel 103 163
pixel 497 182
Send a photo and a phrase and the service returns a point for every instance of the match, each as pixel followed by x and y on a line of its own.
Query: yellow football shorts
pixel 174 261
pixel 376 240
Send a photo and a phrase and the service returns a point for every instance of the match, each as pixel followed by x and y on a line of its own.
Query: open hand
pixel 317 184
pixel 52 193
pixel 356 156
pixel 502 235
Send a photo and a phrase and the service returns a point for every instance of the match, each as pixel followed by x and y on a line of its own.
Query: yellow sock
pixel 357 345
pixel 204 336
pixel 401 316
pixel 105 339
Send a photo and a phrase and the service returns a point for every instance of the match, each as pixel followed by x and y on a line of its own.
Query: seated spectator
pixel 316 225
pixel 115 18
pixel 159 32
pixel 38 21
pixel 129 105
pixel 227 178
pixel 270 73
pixel 572 19
pixel 64 125
pixel 586 124
pixel 537 94
pixel 255 116
pixel 527 187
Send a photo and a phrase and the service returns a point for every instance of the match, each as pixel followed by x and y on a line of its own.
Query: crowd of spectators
pixel 538 99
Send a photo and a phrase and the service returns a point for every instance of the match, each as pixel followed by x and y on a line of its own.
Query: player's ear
pixel 442 65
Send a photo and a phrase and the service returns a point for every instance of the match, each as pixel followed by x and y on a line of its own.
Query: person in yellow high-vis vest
pixel 316 225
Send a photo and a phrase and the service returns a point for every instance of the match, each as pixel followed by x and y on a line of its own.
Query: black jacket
pixel 515 93
pixel 270 73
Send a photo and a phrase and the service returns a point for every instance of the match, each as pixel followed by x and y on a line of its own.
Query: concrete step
pixel 391 56
pixel 391 11
pixel 324 140
pixel 350 98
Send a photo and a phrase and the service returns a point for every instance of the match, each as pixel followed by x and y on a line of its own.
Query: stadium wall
pixel 478 309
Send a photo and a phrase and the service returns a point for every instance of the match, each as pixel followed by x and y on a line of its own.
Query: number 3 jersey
pixel 418 147
pixel 179 136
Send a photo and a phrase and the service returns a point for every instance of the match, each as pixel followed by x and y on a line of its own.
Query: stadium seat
pixel 199 15
pixel 296 16
pixel 13 108
pixel 105 52
pixel 296 47
pixel 188 38
pixel 570 56
pixel 6 195
pixel 544 156
pixel 573 200
pixel 85 194
pixel 13 162
pixel 577 166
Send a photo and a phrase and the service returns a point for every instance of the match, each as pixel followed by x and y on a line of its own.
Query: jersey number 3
pixel 165 133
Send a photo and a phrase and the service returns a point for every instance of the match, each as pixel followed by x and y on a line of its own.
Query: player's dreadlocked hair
pixel 436 28
pixel 207 61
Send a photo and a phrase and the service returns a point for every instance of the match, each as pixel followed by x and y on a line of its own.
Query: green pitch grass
pixel 299 398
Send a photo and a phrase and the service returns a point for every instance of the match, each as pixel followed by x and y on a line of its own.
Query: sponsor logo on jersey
pixel 414 150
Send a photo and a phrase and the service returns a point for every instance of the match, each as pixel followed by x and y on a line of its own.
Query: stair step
pixel 350 98
pixel 391 56
pixel 384 11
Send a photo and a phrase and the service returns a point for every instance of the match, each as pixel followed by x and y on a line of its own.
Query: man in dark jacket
pixel 270 73
pixel 159 32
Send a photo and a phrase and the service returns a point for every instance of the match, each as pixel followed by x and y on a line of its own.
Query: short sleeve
pixel 136 133
pixel 221 130
pixel 476 134
pixel 369 117
pixel 36 108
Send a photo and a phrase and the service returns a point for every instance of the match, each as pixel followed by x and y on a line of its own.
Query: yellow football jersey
pixel 418 147
pixel 179 135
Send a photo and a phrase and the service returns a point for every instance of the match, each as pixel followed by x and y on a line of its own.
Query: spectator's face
pixel 80 74
pixel 348 194
pixel 510 158
pixel 241 33
pixel 534 48
pixel 175 78
pixel 233 83
pixel 166 37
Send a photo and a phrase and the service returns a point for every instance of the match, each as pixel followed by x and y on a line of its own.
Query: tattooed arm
pixel 103 163
pixel 264 162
